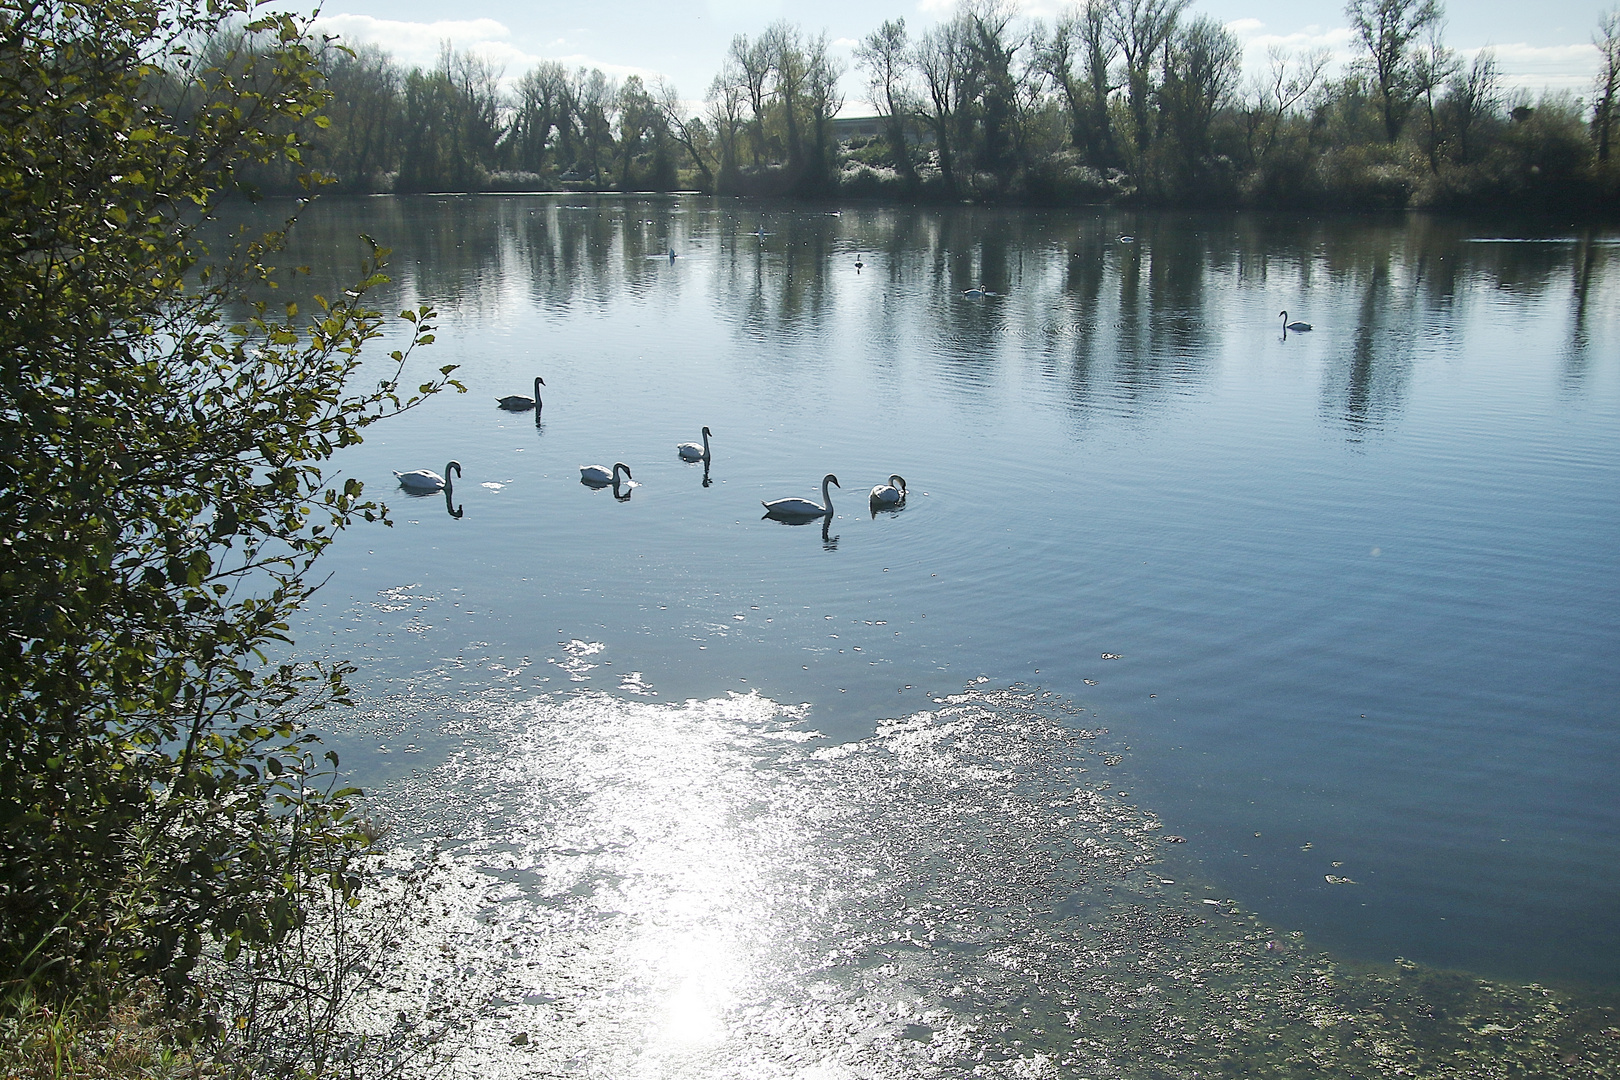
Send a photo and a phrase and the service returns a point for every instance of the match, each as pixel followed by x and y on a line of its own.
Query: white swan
pixel 518 403
pixel 691 451
pixel 977 290
pixel 891 494
pixel 427 479
pixel 598 474
pixel 1297 327
pixel 804 508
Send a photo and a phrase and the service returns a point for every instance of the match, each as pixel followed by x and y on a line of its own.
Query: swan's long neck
pixel 537 393
pixel 450 466
pixel 705 444
pixel 826 495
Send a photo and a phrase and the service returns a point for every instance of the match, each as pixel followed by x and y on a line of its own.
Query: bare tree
pixel 823 99
pixel 1432 65
pixel 1472 97
pixel 541 108
pixel 1201 69
pixel 939 61
pixel 1077 59
pixel 884 54
pixel 1141 29
pixel 690 133
pixel 753 64
pixel 790 68
pixel 1608 81
pixel 727 98
pixel 1287 83
pixel 1384 31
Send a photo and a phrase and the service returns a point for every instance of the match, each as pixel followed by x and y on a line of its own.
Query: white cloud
pixel 1534 68
pixel 612 71
pixel 1531 68
pixel 418 44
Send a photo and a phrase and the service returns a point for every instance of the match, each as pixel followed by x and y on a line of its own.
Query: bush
pixel 162 440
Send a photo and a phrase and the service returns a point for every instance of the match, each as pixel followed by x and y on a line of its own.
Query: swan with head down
pixel 519 403
pixel 427 479
pixel 601 475
pixel 804 508
pixel 891 494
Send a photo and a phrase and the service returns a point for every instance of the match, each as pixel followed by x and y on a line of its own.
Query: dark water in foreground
pixel 1346 603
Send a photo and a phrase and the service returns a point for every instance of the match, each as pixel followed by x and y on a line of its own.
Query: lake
pixel 1187 626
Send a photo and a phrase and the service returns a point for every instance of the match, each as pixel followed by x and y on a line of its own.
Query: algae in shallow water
pixel 710 890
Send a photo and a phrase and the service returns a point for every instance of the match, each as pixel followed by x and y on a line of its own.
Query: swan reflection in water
pixel 706 481
pixel 453 511
pixel 828 543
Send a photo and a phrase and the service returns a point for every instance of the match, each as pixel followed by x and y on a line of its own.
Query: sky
pixel 1540 45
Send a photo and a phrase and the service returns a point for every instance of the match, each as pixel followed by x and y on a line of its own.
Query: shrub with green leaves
pixel 164 445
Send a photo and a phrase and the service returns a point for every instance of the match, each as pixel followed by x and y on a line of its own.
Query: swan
pixel 1297 327
pixel 691 451
pixel 518 403
pixel 1126 238
pixel 597 474
pixel 891 494
pixel 427 479
pixel 804 508
pixel 977 290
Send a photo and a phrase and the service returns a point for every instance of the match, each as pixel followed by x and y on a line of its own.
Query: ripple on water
pixel 711 890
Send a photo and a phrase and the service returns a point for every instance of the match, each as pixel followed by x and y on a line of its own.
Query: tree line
pixel 1114 100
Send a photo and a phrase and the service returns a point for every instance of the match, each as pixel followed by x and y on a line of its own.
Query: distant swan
pixel 891 494
pixel 518 403
pixel 804 508
pixel 427 479
pixel 1126 238
pixel 691 451
pixel 597 474
pixel 1297 327
pixel 977 290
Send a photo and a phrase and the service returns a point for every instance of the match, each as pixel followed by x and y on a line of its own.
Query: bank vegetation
pixel 1131 101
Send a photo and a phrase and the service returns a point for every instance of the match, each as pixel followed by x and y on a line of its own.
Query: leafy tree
pixel 164 435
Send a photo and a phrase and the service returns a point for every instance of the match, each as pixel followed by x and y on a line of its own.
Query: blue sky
pixel 1541 45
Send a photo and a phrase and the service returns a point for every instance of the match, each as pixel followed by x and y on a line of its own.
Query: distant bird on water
pixel 1297 327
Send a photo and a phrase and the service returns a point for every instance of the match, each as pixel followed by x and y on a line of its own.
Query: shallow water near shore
pixel 1347 601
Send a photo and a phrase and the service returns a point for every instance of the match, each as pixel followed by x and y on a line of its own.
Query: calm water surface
pixel 1347 603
